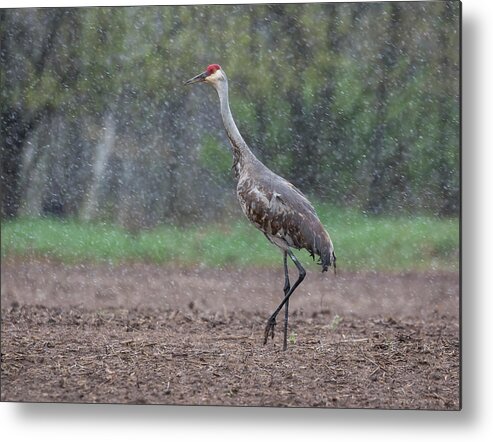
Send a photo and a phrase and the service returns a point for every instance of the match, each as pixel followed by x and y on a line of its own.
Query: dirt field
pixel 147 334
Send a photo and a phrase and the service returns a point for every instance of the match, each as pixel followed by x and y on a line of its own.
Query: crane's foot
pixel 269 329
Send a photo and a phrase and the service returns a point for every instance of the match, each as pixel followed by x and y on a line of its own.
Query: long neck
pixel 241 151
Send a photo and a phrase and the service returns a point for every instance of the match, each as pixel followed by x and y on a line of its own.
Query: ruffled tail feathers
pixel 328 260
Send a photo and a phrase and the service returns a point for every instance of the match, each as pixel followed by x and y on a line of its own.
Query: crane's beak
pixel 197 79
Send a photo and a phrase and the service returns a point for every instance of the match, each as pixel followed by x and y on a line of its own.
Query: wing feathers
pixel 282 212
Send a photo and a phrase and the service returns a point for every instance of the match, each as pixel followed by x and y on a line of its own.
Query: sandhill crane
pixel 272 204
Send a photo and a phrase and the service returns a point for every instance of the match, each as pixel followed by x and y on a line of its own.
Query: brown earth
pixel 141 333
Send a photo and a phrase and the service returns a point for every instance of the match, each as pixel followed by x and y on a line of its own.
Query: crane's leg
pixel 271 323
pixel 286 306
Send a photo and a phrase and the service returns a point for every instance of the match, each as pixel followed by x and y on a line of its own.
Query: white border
pixel 113 422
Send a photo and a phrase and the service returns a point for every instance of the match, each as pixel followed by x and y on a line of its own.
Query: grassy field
pixel 361 242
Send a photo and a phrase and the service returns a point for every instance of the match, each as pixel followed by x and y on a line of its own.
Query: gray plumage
pixel 282 212
pixel 271 203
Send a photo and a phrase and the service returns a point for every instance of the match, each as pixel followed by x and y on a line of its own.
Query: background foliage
pixel 356 103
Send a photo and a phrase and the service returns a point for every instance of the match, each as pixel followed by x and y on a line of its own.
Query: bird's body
pixel 282 212
pixel 271 203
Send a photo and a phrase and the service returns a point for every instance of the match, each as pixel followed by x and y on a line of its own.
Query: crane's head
pixel 212 75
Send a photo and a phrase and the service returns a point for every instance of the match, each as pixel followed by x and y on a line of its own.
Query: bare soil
pixel 146 334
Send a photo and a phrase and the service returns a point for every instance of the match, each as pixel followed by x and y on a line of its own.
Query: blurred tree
pixel 25 62
pixel 385 156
